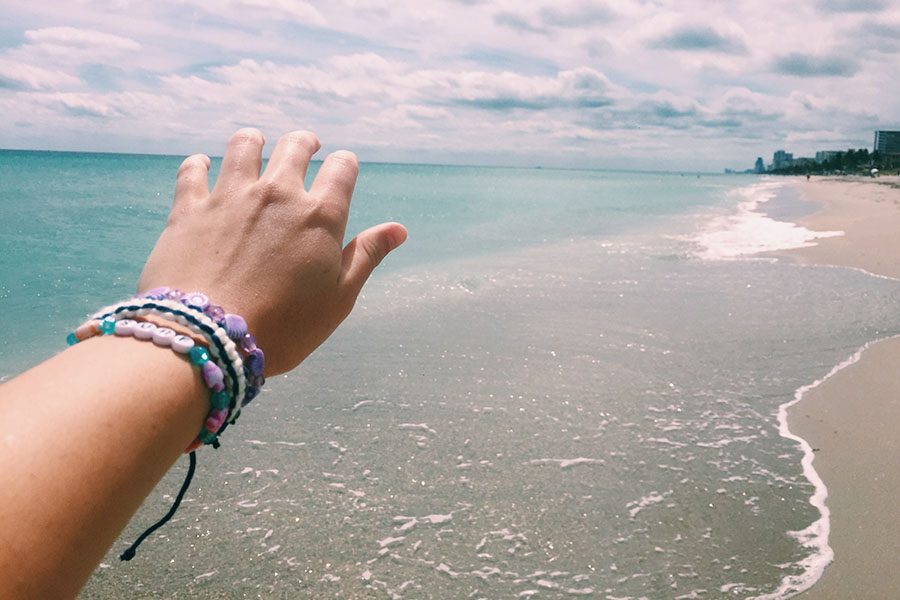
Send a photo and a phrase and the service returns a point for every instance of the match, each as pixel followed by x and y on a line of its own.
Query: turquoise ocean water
pixel 566 384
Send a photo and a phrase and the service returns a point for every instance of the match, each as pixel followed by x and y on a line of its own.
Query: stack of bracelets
pixel 230 362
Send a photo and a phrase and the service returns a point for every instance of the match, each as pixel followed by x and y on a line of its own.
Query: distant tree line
pixel 848 162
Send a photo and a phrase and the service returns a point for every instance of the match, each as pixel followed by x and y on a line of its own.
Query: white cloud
pixel 51 57
pixel 296 10
pixel 126 107
pixel 582 87
pixel 405 116
pixel 70 37
pixel 668 80
pixel 14 74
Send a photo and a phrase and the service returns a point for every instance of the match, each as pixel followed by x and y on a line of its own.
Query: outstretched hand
pixel 262 246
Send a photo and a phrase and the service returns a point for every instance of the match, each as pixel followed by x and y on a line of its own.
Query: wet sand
pixel 852 420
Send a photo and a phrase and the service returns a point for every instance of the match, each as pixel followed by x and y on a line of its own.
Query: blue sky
pixel 675 84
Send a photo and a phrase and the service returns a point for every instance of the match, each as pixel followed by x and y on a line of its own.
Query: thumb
pixel 365 251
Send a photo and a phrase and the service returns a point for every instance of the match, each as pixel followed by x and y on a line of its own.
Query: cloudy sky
pixel 675 84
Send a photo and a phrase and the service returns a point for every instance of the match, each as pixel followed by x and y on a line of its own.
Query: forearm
pixel 92 430
pixel 85 436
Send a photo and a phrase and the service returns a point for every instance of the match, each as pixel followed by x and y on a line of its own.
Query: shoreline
pixel 849 417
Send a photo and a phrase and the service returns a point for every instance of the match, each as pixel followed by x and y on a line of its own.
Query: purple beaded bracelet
pixel 234 325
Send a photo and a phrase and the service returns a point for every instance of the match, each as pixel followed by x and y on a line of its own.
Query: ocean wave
pixel 749 230
pixel 816 536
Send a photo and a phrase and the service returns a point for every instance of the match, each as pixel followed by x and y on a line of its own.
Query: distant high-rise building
pixel 782 159
pixel 887 142
pixel 760 166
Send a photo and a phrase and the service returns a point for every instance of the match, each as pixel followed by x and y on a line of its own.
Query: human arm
pixel 87 434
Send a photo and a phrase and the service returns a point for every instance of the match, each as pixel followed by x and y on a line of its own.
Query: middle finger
pixel 242 160
pixel 290 159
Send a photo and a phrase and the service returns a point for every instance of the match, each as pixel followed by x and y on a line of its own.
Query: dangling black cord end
pixel 132 549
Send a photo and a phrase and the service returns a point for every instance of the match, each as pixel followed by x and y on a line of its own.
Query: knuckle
pixel 272 189
pixel 178 212
pixel 322 217
pixel 373 251
pixel 247 135
pixel 323 214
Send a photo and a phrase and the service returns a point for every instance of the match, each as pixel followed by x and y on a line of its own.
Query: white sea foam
pixel 650 499
pixel 417 426
pixel 410 522
pixel 815 537
pixel 566 463
pixel 857 269
pixel 750 231
pixel 390 541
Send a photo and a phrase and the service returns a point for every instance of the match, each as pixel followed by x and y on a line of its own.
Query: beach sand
pixel 852 419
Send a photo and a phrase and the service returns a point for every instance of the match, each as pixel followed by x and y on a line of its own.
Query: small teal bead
pixel 219 399
pixel 206 436
pixel 108 326
pixel 198 355
pixel 71 339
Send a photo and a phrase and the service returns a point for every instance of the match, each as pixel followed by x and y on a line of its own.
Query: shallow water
pixel 538 399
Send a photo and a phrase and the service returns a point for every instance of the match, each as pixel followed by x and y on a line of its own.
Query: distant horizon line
pixel 388 162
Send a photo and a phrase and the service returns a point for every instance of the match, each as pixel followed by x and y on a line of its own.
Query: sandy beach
pixel 851 419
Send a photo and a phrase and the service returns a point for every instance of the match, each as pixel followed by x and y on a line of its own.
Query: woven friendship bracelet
pixel 223 330
pixel 221 347
pixel 249 379
pixel 221 401
pixel 213 376
pixel 198 355
pixel 235 327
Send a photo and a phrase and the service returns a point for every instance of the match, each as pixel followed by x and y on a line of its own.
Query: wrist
pixel 231 363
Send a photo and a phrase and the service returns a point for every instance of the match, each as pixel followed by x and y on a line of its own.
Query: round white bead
pixel 182 344
pixel 144 331
pixel 125 327
pixel 163 336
